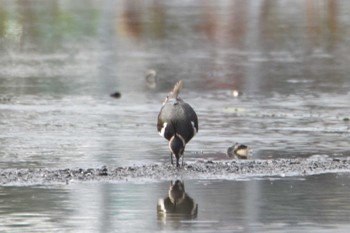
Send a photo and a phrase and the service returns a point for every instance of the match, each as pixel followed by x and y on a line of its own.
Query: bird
pixel 239 151
pixel 177 122
pixel 151 79
pixel 236 93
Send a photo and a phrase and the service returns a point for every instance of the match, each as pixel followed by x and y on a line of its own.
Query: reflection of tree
pixel 332 24
pixel 158 20
pixel 131 19
pixel 53 24
pixel 139 21
pixel 28 18
pixel 48 24
pixel 322 24
pixel 2 22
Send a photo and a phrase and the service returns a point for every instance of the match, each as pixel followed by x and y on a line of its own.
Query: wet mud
pixel 202 169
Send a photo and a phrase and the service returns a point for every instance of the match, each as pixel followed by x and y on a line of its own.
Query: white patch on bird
pixel 162 131
pixel 172 138
pixel 194 128
pixel 182 139
pixel 161 205
pixel 242 152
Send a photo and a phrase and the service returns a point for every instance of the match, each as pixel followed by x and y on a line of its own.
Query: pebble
pixel 206 169
pixel 116 95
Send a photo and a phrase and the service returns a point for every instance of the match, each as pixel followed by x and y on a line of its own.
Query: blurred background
pixel 257 46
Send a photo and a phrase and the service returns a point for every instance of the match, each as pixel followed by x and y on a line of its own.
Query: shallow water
pixel 60 61
pixel 311 204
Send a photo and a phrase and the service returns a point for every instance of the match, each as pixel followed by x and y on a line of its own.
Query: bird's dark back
pixel 181 115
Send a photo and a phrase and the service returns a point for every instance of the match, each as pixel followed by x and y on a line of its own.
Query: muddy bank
pixel 206 169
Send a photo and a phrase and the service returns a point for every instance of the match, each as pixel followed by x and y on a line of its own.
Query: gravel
pixel 202 169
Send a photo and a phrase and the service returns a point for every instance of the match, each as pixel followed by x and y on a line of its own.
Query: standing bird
pixel 177 122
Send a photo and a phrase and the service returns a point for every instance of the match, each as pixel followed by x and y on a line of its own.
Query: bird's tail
pixel 176 90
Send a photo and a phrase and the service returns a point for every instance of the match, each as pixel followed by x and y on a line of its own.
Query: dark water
pixel 60 61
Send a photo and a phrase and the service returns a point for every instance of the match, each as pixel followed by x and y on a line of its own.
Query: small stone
pixel 103 171
pixel 116 95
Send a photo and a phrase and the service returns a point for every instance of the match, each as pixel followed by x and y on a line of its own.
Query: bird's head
pixel 241 151
pixel 177 142
pixel 177 192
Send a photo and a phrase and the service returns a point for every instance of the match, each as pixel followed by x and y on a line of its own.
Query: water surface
pixel 312 204
pixel 60 61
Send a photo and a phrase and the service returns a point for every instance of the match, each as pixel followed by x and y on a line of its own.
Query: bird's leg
pixel 171 158
pixel 177 162
pixel 183 160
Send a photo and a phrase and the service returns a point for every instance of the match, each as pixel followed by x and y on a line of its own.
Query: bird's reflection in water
pixel 178 205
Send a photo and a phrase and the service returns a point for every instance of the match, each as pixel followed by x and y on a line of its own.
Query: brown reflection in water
pixel 332 23
pixel 177 205
pixel 157 25
pixel 312 23
pixel 322 24
pixel 138 20
pixel 237 26
pixel 224 25
pixel 209 22
pixel 224 45
pixel 131 19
